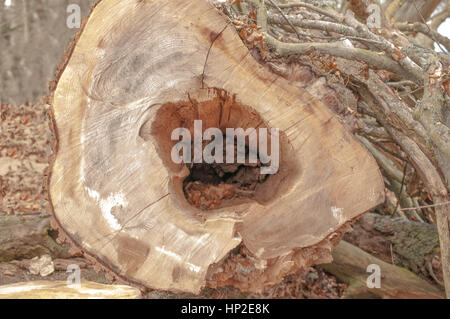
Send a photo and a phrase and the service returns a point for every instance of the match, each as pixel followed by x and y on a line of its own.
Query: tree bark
pixel 412 245
pixel 351 266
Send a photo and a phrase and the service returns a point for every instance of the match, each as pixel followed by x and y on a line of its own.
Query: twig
pixel 336 48
pixel 425 206
pixel 439 18
pixel 434 183
pixel 429 30
pixel 403 66
pixel 388 150
pixel 402 83
pixel 315 24
pixel 431 272
pixel 375 60
pixel 383 161
pixel 413 91
pixel 285 18
pixel 401 188
pixel 334 16
pixel 327 26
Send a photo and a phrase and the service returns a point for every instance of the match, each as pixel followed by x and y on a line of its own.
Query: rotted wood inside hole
pixel 209 186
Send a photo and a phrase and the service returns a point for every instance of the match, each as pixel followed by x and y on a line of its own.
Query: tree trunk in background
pixel 26 64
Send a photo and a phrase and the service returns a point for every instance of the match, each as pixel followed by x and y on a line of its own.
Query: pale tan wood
pixel 61 290
pixel 111 191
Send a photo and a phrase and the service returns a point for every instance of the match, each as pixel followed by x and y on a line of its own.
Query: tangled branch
pixel 399 84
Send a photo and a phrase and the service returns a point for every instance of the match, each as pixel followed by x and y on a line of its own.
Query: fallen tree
pixel 117 195
pixel 240 261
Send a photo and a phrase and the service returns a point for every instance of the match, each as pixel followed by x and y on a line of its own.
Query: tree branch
pixel 424 29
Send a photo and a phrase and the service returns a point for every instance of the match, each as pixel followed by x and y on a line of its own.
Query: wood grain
pixel 112 193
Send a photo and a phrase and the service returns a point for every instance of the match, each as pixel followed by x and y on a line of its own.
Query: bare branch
pixel 286 19
pixel 339 49
pixel 423 28
pixel 396 53
pixel 328 13
pixel 315 24
pixel 378 61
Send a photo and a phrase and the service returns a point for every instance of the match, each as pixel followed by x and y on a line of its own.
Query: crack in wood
pixel 209 51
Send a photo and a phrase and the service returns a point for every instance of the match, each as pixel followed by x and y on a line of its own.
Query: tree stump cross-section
pixel 137 70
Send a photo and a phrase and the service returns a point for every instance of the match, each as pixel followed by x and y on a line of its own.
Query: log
pixel 61 290
pixel 402 242
pixel 24 237
pixel 137 72
pixel 350 266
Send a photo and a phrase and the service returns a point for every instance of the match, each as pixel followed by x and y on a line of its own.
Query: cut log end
pixel 119 194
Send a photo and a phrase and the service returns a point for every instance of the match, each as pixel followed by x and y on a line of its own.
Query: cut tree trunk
pixel 137 71
pixel 351 266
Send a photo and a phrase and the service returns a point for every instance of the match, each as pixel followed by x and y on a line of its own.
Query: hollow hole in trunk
pixel 209 185
pixel 216 185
